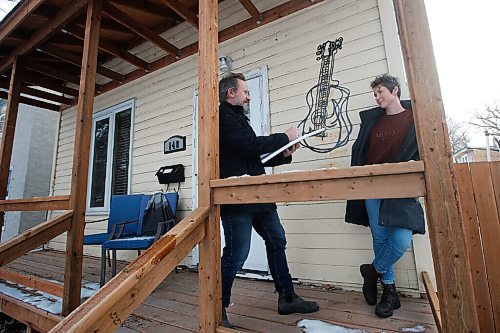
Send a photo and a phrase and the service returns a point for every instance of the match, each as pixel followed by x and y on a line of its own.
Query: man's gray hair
pixel 229 81
pixel 387 81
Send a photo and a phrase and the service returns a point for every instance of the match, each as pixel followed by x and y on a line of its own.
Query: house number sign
pixel 174 143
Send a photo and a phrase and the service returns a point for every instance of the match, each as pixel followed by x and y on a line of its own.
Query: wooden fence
pixel 479 190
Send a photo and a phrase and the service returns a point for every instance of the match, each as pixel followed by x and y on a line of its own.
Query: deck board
pixel 173 306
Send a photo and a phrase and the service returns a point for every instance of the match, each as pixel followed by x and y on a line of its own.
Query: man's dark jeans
pixel 238 233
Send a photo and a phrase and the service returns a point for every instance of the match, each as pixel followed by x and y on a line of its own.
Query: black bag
pixel 157 210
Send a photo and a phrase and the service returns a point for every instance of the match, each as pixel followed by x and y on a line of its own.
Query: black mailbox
pixel 171 174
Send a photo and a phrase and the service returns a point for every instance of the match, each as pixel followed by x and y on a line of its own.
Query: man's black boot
pixel 388 302
pixel 225 322
pixel 370 281
pixel 293 303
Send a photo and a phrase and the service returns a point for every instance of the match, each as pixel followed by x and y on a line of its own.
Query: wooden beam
pixel 19 35
pixel 53 72
pixel 112 49
pixel 38 319
pixel 147 7
pixel 39 93
pixel 208 161
pixel 9 126
pixel 35 80
pixel 52 26
pixel 33 102
pixel 34 237
pixel 270 15
pixel 433 300
pixel 36 204
pixel 139 29
pixel 448 244
pixel 182 11
pixel 46 286
pixel 402 168
pixel 107 309
pixel 318 185
pixel 77 61
pixel 46 11
pixel 46 95
pixel 78 196
pixel 18 17
pixel 252 10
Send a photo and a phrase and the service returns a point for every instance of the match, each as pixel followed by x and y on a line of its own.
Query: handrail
pixel 30 281
pixel 33 237
pixel 323 174
pixel 395 180
pixel 60 202
pixel 111 305
pixel 433 300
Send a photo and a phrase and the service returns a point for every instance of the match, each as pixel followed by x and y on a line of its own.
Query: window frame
pixel 97 116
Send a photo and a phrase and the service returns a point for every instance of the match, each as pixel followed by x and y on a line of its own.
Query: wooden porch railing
pixel 34 237
pixel 12 249
pixel 111 305
pixel 39 203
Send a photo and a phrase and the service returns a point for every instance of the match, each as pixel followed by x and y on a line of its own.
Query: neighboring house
pixel 31 164
pixel 132 121
pixel 476 154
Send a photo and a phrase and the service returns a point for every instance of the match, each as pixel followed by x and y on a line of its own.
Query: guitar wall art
pixel 327 103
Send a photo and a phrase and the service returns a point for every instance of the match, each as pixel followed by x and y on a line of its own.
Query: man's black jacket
pixel 240 151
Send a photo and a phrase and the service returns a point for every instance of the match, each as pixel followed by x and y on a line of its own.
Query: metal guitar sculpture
pixel 325 93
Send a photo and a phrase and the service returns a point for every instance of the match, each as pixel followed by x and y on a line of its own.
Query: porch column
pixel 77 201
pixel 454 281
pixel 208 162
pixel 9 128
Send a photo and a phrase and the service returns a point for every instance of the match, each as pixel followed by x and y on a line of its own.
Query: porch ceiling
pixel 50 33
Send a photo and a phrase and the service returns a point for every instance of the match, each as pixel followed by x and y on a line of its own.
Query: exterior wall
pixel 476 155
pixel 31 165
pixel 321 247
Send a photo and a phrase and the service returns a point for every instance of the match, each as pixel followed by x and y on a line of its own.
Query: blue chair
pixel 124 208
pixel 155 209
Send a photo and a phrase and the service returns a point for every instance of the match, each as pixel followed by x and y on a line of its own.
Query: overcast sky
pixel 465 37
pixel 466 43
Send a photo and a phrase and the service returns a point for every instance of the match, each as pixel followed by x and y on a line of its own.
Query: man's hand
pixel 293 133
pixel 291 150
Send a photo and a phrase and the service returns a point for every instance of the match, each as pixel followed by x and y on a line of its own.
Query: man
pixel 387 135
pixel 240 151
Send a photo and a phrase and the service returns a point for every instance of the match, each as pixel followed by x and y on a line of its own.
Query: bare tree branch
pixel 459 135
pixel 489 120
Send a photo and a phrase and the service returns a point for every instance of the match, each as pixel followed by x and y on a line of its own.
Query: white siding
pixel 321 247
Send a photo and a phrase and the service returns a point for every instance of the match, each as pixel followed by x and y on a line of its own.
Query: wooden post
pixel 454 282
pixel 9 128
pixel 208 162
pixel 77 201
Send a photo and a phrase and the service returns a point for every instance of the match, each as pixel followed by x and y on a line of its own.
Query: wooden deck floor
pixel 173 306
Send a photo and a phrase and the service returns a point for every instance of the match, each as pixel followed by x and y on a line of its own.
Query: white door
pixel 257 82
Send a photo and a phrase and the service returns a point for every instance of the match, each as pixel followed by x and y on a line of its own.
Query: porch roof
pixel 50 34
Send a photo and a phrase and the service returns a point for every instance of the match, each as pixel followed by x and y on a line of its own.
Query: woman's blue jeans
pixel 389 243
pixel 238 233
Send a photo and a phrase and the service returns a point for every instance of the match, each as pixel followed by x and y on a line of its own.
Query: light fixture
pixel 225 63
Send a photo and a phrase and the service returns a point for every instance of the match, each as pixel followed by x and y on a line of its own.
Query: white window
pixel 110 155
